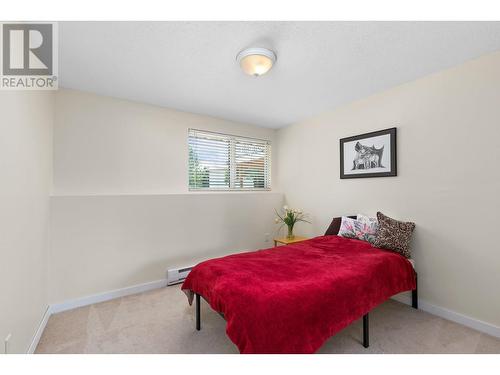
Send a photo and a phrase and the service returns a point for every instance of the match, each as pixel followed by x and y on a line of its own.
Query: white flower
pixel 285 208
pixel 276 220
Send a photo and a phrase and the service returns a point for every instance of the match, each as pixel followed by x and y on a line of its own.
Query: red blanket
pixel 291 299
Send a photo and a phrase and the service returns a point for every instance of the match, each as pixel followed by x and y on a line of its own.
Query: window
pixel 227 162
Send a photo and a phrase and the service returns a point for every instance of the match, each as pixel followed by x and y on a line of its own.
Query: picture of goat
pixel 369 155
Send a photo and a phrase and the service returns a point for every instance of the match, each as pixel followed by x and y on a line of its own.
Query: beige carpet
pixel 161 321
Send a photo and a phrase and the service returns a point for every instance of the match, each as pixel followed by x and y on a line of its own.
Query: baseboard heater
pixel 177 275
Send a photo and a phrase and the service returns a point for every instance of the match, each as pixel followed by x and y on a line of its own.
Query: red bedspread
pixel 291 299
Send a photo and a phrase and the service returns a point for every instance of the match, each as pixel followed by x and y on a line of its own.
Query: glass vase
pixel 290 235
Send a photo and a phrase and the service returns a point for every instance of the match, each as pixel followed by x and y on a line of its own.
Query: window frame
pixel 232 164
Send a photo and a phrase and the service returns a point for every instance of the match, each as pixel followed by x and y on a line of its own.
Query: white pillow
pixel 367 219
pixel 359 229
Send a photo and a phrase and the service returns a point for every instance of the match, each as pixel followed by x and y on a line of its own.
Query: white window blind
pixel 228 162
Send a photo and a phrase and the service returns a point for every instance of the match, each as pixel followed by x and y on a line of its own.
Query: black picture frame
pixel 393 154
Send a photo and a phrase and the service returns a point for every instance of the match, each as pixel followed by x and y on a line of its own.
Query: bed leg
pixel 414 294
pixel 198 314
pixel 366 338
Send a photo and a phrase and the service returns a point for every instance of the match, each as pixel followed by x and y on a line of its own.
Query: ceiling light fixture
pixel 256 61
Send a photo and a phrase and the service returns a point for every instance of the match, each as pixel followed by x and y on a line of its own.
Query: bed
pixel 291 299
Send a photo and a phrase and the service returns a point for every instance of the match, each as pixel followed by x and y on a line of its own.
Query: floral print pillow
pixel 365 230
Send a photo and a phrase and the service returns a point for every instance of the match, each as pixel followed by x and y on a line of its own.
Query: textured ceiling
pixel 190 66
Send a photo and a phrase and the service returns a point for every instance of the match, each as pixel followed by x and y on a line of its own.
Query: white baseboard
pixel 106 296
pixel 478 325
pixel 39 331
pixel 89 300
pixel 467 321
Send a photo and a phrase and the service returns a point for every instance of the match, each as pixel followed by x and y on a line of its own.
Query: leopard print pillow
pixel 394 235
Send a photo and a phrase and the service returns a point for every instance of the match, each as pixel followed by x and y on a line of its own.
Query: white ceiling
pixel 190 66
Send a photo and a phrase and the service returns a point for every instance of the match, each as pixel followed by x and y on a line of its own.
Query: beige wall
pixel 25 182
pixel 121 213
pixel 448 179
pixel 104 145
pixel 103 243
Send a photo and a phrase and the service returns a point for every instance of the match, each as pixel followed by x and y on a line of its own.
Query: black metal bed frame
pixel 366 336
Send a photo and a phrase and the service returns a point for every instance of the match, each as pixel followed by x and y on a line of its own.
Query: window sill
pixel 226 190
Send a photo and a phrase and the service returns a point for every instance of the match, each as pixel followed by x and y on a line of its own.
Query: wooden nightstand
pixel 287 241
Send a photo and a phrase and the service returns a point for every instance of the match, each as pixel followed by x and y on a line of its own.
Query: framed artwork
pixel 369 155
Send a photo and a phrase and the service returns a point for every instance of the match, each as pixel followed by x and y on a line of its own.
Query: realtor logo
pixel 29 59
